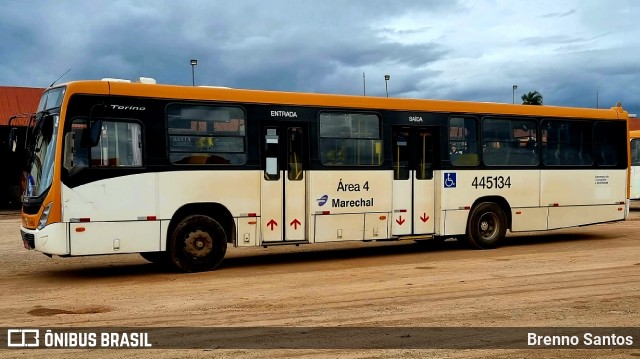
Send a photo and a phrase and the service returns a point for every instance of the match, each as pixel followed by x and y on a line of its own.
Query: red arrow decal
pixel 272 224
pixel 400 221
pixel 424 217
pixel 295 223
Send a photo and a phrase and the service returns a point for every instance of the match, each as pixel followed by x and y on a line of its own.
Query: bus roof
pixel 205 93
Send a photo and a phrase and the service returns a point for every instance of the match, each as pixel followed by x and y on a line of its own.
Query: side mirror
pixel 13 140
pixel 94 132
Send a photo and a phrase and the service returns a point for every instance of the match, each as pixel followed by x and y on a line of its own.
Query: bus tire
pixel 155 257
pixel 487 226
pixel 198 243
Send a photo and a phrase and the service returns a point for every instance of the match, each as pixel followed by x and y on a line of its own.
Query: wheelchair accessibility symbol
pixel 449 180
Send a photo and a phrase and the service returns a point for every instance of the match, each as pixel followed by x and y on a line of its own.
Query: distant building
pixel 17 100
pixel 14 101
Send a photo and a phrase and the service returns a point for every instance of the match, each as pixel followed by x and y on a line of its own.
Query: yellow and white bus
pixel 634 169
pixel 179 173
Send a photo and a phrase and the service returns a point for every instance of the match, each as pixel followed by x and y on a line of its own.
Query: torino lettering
pixel 131 108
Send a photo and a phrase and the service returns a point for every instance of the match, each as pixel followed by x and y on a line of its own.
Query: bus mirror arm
pixel 94 132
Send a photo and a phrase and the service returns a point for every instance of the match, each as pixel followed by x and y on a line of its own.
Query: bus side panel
pixel 519 187
pixel 339 227
pixel 455 222
pixel 579 197
pixel 346 191
pixel 114 215
pixel 125 198
pixel 114 237
pixel 529 219
pixel 571 216
pixel 338 200
pixel 583 187
pixel 236 190
pixel 635 182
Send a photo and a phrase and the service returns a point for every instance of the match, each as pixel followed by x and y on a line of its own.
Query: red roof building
pixel 17 100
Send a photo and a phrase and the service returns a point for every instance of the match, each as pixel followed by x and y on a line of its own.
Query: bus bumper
pixel 52 239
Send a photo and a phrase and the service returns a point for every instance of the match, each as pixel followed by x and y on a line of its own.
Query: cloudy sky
pixel 575 53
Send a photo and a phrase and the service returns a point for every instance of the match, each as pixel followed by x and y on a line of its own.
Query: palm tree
pixel 532 98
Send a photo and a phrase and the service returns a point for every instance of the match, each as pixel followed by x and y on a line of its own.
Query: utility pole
pixel 364 85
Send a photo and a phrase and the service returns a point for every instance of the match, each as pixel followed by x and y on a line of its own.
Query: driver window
pixel 120 145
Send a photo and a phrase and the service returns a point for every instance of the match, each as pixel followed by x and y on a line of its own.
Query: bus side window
pixel 350 139
pixel 119 145
pixel 463 134
pixel 400 155
pixel 424 160
pixel 606 134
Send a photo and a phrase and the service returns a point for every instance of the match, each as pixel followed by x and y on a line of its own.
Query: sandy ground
pixel 580 277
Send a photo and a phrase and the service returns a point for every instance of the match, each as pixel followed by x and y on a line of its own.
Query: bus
pixel 634 168
pixel 179 173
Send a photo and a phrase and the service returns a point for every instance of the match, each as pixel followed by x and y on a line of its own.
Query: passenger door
pixel 414 153
pixel 283 189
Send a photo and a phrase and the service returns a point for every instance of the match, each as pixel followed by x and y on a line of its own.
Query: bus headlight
pixel 45 216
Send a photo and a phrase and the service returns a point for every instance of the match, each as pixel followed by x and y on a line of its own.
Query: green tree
pixel 532 98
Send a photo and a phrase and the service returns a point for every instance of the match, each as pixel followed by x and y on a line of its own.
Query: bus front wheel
pixel 198 243
pixel 487 226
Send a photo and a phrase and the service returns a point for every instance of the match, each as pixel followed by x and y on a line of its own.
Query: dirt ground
pixel 579 277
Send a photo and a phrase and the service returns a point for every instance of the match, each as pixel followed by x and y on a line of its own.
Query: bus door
pixel 283 190
pixel 413 180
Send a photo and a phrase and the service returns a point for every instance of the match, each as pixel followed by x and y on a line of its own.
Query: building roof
pixel 16 100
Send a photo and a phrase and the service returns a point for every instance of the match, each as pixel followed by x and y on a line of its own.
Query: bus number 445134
pixel 490 182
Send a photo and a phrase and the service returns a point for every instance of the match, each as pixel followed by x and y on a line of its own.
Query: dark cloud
pixel 432 49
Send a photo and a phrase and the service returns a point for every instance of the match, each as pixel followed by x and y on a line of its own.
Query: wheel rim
pixel 488 225
pixel 198 243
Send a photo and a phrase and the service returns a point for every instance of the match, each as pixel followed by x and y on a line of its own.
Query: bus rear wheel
pixel 198 243
pixel 487 226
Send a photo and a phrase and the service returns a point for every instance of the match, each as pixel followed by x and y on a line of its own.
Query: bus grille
pixel 29 239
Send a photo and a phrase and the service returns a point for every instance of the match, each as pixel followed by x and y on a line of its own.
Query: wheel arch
pixel 212 209
pixel 500 201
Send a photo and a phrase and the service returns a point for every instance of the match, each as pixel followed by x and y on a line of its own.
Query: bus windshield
pixel 51 99
pixel 41 144
pixel 41 154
